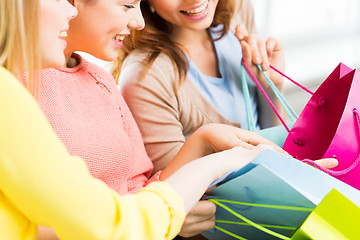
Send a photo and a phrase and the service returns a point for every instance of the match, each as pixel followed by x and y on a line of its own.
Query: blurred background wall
pixel 316 35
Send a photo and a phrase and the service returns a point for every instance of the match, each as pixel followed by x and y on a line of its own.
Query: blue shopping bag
pixel 270 197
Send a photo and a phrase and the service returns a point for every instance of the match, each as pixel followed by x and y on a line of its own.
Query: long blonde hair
pixel 19 39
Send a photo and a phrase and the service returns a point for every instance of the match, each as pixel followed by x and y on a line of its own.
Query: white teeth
pixel 63 34
pixel 119 37
pixel 197 10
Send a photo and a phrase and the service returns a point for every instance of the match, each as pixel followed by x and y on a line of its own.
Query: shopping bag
pixel 336 217
pixel 329 125
pixel 270 197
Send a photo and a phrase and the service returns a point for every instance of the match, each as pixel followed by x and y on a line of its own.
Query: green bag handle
pixel 250 120
pixel 248 222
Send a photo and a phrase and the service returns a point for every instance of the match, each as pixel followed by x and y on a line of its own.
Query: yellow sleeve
pixel 40 184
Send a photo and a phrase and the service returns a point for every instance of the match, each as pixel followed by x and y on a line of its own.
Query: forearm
pixel 200 173
pixel 196 146
pixel 192 180
pixel 162 153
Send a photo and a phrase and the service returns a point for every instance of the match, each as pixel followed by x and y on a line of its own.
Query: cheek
pixel 166 7
pixel 46 36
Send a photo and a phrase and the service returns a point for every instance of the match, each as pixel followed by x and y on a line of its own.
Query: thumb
pixel 327 162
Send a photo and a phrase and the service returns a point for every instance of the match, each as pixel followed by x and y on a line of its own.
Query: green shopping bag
pixel 336 217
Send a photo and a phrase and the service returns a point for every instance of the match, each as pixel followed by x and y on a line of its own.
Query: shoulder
pixel 162 71
pixel 13 93
pixel 244 14
pixel 8 82
pixel 95 69
pixel 5 74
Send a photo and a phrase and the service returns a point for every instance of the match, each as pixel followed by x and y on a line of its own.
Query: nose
pixel 137 22
pixel 71 11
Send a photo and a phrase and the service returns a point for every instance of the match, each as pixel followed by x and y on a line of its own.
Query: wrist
pixel 202 139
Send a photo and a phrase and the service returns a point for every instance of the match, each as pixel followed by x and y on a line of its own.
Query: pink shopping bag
pixel 329 125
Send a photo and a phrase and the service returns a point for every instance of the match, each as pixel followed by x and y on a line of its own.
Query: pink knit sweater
pixel 91 117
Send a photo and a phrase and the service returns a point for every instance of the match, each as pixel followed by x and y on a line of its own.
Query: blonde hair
pixel 19 39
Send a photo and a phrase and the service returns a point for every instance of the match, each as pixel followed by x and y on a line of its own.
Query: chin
pixel 104 54
pixel 54 63
pixel 109 56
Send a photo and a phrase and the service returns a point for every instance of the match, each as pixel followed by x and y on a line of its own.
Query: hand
pixel 214 138
pixel 219 137
pixel 204 171
pixel 265 52
pixel 201 218
pixel 241 32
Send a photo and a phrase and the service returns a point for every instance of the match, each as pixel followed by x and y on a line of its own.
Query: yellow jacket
pixel 41 184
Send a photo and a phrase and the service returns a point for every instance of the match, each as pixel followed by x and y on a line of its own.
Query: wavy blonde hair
pixel 154 39
pixel 19 39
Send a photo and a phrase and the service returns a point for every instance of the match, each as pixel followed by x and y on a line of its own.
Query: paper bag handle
pixel 277 94
pixel 289 111
pixel 348 169
pixel 251 223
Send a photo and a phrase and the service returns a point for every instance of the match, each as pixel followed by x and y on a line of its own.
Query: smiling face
pixel 193 15
pixel 54 22
pixel 101 25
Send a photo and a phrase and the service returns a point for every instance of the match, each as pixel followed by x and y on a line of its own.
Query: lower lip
pixel 199 17
pixel 118 44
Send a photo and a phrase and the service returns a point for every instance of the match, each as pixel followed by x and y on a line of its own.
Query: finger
pixel 246 156
pixel 246 145
pixel 272 46
pixel 194 229
pixel 270 144
pixel 253 43
pixel 327 162
pixel 204 209
pixel 263 54
pixel 241 32
pixel 246 51
pixel 254 139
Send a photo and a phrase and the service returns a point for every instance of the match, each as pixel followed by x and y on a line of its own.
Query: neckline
pixel 81 63
pixel 218 55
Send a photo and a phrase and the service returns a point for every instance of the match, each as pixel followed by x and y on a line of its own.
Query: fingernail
pixel 264 66
pixel 333 163
pixel 257 60
pixel 213 230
